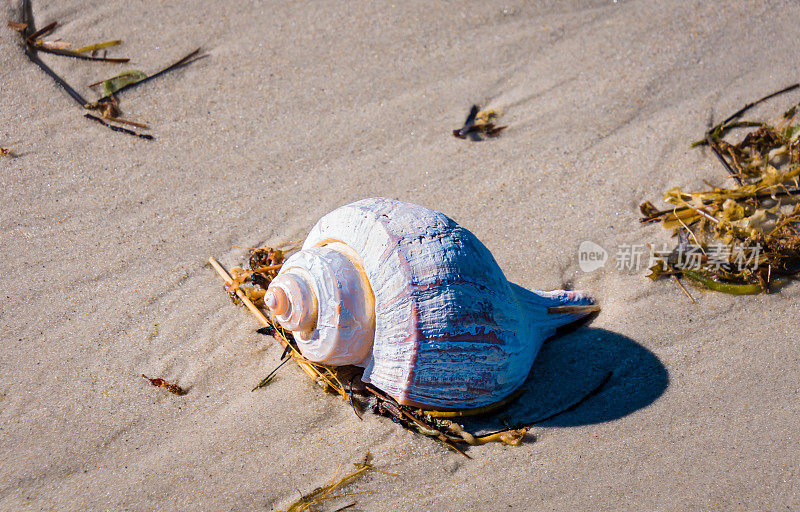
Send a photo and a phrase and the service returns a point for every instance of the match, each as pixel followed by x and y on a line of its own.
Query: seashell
pixel 418 302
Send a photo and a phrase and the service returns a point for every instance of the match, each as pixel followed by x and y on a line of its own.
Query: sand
pixel 300 108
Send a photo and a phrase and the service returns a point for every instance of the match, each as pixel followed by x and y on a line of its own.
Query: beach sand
pixel 302 107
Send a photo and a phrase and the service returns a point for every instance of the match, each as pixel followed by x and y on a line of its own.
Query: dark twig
pixel 266 380
pixel 27 19
pixel 182 62
pixel 747 107
pixel 715 149
pixel 30 52
pixel 39 33
pixel 267 331
pixel 119 128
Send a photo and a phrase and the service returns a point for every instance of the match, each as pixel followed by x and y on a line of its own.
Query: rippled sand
pixel 299 108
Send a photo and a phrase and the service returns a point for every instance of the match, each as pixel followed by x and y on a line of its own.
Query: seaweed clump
pixel 479 123
pixel 743 239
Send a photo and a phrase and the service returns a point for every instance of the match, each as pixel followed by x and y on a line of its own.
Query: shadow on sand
pixel 583 377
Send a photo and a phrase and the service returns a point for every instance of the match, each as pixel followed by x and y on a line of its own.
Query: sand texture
pixel 301 107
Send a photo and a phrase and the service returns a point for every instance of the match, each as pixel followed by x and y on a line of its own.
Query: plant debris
pixel 62 48
pixel 107 104
pixel 187 59
pixel 438 427
pixel 145 136
pixel 321 494
pixel 19 27
pixel 743 239
pixel 111 85
pixel 265 263
pixel 56 44
pixel 479 122
pixel 93 48
pixel 161 383
pixel 266 380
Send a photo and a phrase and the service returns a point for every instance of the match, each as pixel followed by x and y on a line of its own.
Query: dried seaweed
pixel 743 239
pixel 324 493
pixel 32 40
pixel 30 35
pixel 266 380
pixel 325 377
pixel 479 122
pixel 111 85
pixel 161 383
pixel 107 105
pixel 98 46
pixel 265 263
pixel 438 427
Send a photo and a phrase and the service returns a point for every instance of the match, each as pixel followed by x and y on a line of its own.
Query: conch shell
pixel 418 302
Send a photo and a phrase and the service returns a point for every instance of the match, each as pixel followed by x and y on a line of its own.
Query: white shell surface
pixel 450 331
pixel 343 328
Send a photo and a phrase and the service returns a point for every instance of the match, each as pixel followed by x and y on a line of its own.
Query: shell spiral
pixel 450 331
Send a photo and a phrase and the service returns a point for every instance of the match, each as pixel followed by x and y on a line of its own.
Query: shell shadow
pixel 580 378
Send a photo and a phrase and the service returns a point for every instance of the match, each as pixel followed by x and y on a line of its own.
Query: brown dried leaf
pixel 161 383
